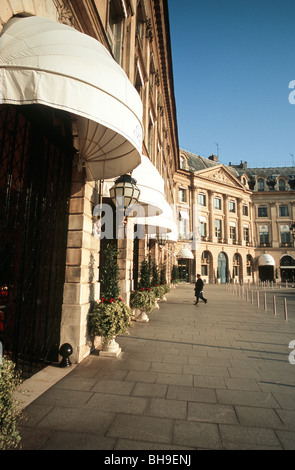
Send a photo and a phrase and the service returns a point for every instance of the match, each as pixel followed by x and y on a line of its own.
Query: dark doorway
pixel 266 273
pixel 222 267
pixel 35 181
pixel 183 269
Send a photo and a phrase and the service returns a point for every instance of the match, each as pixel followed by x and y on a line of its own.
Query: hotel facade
pixel 234 222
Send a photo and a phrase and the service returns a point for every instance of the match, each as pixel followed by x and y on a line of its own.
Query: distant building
pixel 234 221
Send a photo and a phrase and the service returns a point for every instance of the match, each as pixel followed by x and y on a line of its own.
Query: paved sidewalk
pixel 213 376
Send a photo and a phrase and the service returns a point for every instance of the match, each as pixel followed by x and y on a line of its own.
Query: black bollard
pixel 65 351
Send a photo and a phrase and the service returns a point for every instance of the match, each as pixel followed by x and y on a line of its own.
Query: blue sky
pixel 233 61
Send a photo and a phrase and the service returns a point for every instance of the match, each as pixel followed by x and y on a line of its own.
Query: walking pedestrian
pixel 199 286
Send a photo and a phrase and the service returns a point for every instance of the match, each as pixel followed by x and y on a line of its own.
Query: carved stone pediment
pixel 220 175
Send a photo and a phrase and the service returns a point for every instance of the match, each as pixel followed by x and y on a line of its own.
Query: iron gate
pixel 35 178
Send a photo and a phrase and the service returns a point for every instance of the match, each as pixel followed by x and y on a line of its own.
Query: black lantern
pixel 162 239
pixel 292 230
pixel 125 193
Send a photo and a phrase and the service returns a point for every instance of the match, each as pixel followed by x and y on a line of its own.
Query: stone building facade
pixel 135 63
pixel 234 221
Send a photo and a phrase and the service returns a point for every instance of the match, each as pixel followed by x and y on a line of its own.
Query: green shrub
pixel 10 410
pixel 159 291
pixel 166 288
pixel 109 319
pixel 143 299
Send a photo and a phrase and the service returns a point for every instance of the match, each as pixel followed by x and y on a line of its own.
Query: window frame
pixel 259 210
pixel 202 200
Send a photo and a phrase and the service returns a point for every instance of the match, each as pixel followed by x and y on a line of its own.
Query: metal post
pixel 258 300
pixel 274 305
pixel 265 303
pixel 285 309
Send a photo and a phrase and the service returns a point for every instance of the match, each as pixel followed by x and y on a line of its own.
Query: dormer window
pixel 260 184
pixel 282 185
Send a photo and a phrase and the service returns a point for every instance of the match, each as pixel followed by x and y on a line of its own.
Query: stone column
pixel 211 234
pixel 240 234
pixel 125 262
pixel 275 232
pixel 226 223
pixel 82 261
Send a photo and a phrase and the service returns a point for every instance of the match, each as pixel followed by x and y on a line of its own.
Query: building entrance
pixel 35 179
pixel 222 267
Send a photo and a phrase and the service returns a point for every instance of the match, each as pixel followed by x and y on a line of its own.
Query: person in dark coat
pixel 199 285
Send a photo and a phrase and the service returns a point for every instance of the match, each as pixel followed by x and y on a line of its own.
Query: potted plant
pixel 143 300
pixel 10 407
pixel 174 275
pixel 163 281
pixel 110 317
pixel 157 288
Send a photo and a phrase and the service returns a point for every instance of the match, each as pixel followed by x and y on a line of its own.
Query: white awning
pixel 48 63
pixel 151 186
pixel 266 260
pixel 185 253
pixel 160 224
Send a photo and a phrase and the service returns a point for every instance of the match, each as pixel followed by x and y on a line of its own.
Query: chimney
pixel 214 158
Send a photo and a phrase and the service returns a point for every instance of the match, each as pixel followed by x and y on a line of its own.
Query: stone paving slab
pixel 212 377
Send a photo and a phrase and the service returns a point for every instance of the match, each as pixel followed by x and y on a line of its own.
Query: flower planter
pixel 110 349
pixel 143 302
pixel 109 319
pixel 141 316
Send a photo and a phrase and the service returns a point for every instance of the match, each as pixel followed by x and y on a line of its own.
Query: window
pixel 114 29
pixel 202 199
pixel 246 234
pixel 232 232
pixel 260 184
pixel 151 136
pixel 263 235
pixel 249 265
pixel 203 229
pixel 285 235
pixel 182 228
pixel 204 270
pixel 283 211
pixel 232 206
pixel 217 203
pixel 236 265
pixel 182 195
pixel 218 233
pixel 262 211
pixel 245 210
pixel 140 19
pixel 282 185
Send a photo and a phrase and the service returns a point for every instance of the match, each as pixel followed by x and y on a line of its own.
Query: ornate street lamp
pixel 125 193
pixel 162 239
pixel 292 230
